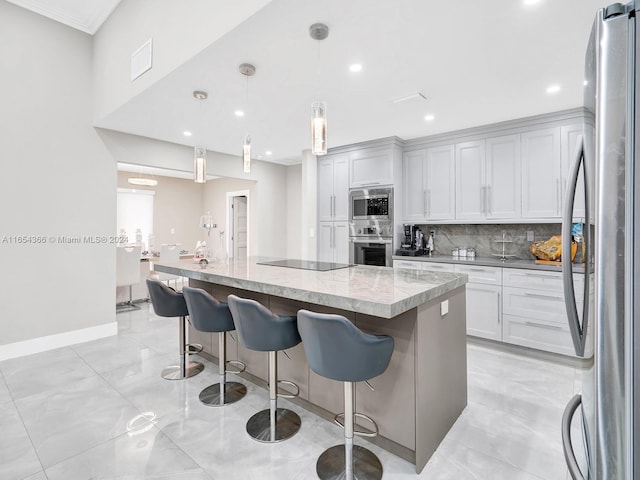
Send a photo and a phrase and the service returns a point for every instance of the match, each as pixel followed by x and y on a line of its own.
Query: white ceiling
pixel 477 62
pixel 84 15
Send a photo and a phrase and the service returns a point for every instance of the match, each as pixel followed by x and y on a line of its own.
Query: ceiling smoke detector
pixel 319 31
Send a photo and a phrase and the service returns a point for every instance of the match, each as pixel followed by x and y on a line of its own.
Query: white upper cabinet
pixel 502 184
pixel 439 180
pixel 333 188
pixel 429 184
pixel 371 167
pixel 541 180
pixel 470 181
pixel 568 139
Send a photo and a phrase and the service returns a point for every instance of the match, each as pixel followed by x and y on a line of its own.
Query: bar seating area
pixel 335 348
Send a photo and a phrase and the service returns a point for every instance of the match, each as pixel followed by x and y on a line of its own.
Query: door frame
pixel 229 243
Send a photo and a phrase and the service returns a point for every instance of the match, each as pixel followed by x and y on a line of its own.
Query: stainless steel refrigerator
pixel 605 328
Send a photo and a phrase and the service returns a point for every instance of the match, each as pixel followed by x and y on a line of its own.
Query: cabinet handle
pixel 482 200
pixel 537 275
pixel 489 202
pixel 543 325
pixel 333 205
pixel 539 295
pixel 424 202
pixel 499 305
pixel 558 196
pixel 429 203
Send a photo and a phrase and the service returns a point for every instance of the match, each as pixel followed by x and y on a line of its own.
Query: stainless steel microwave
pixel 371 204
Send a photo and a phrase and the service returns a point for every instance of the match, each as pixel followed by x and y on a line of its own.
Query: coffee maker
pixel 412 244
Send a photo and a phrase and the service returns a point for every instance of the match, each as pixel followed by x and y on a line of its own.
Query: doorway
pixel 238 224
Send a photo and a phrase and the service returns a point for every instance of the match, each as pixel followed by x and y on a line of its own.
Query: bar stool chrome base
pixel 173 373
pixel 286 425
pixel 233 391
pixel 331 464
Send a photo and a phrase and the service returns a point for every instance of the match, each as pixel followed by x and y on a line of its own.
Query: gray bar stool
pixel 259 329
pixel 207 314
pixel 169 303
pixel 338 350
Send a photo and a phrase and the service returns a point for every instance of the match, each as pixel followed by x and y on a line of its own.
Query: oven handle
pixel 370 240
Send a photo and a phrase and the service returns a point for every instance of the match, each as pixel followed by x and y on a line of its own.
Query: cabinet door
pixel 470 196
pixel 341 188
pixel 541 184
pixel 341 242
pixel 484 311
pixel 569 137
pixel 503 194
pixel 325 189
pixel 413 195
pixel 325 242
pixel 371 166
pixel 440 183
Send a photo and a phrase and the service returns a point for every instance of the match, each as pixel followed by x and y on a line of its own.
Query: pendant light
pixel 319 31
pixel 247 70
pixel 200 153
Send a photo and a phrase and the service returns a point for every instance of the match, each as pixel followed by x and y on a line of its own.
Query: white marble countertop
pixel 381 291
pixel 488 262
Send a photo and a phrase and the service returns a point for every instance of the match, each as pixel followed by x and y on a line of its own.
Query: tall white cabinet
pixel 333 208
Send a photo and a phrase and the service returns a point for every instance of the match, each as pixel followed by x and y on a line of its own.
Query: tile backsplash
pixel 486 238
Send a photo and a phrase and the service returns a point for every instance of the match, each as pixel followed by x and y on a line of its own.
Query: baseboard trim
pixel 42 344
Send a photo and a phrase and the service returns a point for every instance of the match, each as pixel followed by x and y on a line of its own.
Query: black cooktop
pixel 306 264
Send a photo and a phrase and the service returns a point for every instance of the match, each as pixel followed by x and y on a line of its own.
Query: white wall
pixel 180 29
pixel 57 179
pixel 294 211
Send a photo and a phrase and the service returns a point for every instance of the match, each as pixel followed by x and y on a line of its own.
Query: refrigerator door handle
pixel 577 331
pixel 567 445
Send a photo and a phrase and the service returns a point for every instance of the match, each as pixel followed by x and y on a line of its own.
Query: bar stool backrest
pixel 165 300
pixel 338 350
pixel 261 330
pixel 206 313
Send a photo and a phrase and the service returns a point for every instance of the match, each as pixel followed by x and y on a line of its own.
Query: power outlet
pixel 444 308
pixel 530 236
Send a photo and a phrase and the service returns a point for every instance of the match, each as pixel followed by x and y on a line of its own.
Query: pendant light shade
pixel 200 165
pixel 246 153
pixel 318 32
pixel 319 128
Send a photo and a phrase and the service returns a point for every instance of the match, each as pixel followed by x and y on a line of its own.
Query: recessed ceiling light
pixel 268 152
pixel 553 89
pixel 187 134
pixel 429 117
pixel 239 113
pixel 259 157
pixel 356 67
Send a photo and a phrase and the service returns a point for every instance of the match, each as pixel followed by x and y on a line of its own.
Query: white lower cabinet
pixel 534 310
pixel 484 301
pixel 512 305
pixel 333 242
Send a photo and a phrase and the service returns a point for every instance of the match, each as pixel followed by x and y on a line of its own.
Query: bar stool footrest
pixel 241 366
pixel 286 393
pixel 339 420
pixel 192 348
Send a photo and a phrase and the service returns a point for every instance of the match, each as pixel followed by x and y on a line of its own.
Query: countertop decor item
pixel 551 249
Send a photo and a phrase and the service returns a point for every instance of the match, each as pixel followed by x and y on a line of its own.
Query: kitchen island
pixel 424 390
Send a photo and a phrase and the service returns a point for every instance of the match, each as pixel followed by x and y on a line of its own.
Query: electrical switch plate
pixel 444 308
pixel 529 235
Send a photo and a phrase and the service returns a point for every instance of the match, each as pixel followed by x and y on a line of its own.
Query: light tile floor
pixel 101 410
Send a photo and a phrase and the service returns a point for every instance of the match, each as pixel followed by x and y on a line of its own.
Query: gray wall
pixel 57 179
